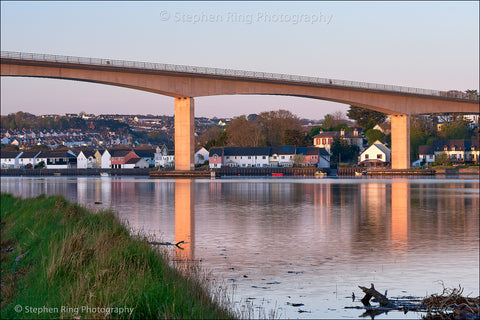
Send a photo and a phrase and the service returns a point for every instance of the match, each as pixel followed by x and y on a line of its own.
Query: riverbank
pixel 246 172
pixel 75 172
pixel 60 260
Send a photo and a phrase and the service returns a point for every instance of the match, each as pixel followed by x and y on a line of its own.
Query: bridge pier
pixel 184 134
pixel 400 141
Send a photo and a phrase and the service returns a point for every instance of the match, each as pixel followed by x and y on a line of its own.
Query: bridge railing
pixel 233 73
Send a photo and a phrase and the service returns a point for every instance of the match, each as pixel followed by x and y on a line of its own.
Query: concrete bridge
pixel 186 82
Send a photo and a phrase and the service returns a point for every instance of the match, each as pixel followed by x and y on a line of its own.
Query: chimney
pixel 355 132
pixel 342 132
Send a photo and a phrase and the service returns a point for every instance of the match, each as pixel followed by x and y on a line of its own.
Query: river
pixel 300 247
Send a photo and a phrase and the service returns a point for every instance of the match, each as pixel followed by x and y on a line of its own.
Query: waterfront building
pixel 375 155
pixel 459 151
pixel 261 157
pixel 10 159
pixel 86 159
pixel 325 139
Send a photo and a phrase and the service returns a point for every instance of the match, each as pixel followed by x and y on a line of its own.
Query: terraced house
pixel 258 157
pixel 459 151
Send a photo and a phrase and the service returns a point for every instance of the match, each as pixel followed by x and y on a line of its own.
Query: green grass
pixel 58 254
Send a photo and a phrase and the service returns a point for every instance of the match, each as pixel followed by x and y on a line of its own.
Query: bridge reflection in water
pixel 185 219
pixel 400 214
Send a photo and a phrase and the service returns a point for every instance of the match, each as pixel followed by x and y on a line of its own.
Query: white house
pixel 201 155
pixel 28 157
pixel 136 163
pixel 9 159
pixel 164 158
pixel 147 154
pixel 246 157
pixel 106 160
pixel 375 155
pixel 282 156
pixel 86 159
pixel 62 159
pixel 260 157
pixel 426 156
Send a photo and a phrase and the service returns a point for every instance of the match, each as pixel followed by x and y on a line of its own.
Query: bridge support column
pixel 184 138
pixel 400 141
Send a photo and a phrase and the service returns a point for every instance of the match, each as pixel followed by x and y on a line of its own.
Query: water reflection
pixel 334 234
pixel 400 215
pixel 185 219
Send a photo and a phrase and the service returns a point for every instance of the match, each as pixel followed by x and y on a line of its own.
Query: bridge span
pixel 186 82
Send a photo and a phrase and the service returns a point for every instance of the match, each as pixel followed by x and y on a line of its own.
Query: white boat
pixel 104 174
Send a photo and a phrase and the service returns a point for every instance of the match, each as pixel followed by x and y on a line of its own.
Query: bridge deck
pixel 230 73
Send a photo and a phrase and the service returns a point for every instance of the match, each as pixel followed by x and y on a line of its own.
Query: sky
pixel 433 45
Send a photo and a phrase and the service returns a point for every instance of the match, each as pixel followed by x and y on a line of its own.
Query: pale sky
pixel 433 45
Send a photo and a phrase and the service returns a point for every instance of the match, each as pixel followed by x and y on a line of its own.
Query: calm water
pixel 311 241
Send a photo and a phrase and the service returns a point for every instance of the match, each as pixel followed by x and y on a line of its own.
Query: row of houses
pixel 257 157
pixel 458 151
pixel 109 158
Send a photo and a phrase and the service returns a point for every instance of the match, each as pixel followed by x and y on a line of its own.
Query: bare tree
pixel 243 133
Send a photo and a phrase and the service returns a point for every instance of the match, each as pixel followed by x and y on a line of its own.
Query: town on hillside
pixel 268 139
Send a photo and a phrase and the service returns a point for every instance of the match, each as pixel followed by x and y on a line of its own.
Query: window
pixel 215 157
pixel 283 157
pixel 366 156
pixel 324 141
pixel 379 156
pixel 249 157
pixel 264 157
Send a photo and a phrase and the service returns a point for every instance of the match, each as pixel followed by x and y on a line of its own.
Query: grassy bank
pixel 70 263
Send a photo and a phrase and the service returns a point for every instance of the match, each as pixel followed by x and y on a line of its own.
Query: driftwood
pixel 448 305
pixel 155 243
pixel 371 292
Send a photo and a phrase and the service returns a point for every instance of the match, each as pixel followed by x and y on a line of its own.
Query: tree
pixel 243 133
pixel 418 135
pixel 459 129
pixel 298 160
pixel 314 131
pixel 328 122
pixel 343 152
pixel 373 135
pixel 362 116
pixel 370 124
pixel 274 123
pixel 294 138
pixel 211 133
pixel 220 140
pixel 40 165
pixel 442 159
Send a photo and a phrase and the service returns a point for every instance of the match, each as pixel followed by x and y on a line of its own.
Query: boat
pixel 320 174
pixel 358 174
pixel 277 174
pixel 104 174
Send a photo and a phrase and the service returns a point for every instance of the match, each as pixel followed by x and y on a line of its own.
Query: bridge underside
pixel 184 87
